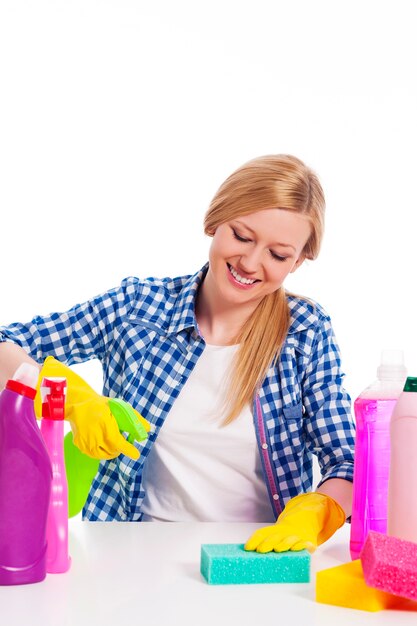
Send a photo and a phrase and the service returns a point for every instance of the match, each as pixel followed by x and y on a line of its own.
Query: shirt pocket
pixel 293 422
pixel 135 343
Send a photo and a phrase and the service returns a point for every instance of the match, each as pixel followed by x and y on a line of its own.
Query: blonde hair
pixel 276 181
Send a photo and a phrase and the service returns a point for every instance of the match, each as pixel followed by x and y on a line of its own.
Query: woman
pixel 244 378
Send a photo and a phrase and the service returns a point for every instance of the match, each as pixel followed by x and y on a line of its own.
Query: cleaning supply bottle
pixel 52 429
pixel 81 469
pixel 402 490
pixel 373 409
pixel 25 483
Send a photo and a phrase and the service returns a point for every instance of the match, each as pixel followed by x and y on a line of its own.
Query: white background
pixel 119 119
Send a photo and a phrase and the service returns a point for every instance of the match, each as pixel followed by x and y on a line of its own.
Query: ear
pixel 299 262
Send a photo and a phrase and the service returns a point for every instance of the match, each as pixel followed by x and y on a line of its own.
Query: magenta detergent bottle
pixel 25 483
pixel 52 429
pixel 373 409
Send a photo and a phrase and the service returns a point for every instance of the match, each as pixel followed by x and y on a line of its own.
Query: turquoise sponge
pixel 231 564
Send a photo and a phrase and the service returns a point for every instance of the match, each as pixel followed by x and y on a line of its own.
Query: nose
pixel 251 260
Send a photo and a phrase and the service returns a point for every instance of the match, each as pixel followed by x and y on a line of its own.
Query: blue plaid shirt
pixel 145 334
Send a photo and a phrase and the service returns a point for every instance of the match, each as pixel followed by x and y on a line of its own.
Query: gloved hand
pixel 94 427
pixel 307 521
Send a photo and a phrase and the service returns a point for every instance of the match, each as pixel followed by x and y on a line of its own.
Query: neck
pixel 219 322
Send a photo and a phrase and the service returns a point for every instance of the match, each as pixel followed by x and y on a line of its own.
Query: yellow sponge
pixel 344 585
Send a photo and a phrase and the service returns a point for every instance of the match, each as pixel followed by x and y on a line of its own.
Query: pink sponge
pixel 390 564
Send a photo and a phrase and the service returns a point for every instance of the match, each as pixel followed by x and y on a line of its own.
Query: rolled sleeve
pixel 329 424
pixel 79 334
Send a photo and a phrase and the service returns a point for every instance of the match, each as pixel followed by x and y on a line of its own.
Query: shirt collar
pixel 302 311
pixel 183 316
pixel 302 314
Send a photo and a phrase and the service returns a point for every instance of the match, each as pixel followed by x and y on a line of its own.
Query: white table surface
pixel 149 574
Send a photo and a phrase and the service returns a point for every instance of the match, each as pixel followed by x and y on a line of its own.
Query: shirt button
pixel 264 446
pixel 275 496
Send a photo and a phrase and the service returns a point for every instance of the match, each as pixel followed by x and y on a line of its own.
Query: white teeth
pixel 239 278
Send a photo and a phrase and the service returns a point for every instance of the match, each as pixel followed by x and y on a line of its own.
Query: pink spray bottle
pixel 25 482
pixel 52 429
pixel 373 410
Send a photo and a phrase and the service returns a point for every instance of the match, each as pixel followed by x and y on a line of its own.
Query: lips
pixel 241 280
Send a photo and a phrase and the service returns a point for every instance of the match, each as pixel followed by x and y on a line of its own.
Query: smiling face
pixel 251 256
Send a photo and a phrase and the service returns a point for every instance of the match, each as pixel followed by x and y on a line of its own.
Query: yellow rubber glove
pixel 307 521
pixel 95 430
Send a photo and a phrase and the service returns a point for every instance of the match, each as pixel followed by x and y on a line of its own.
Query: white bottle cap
pixel 392 365
pixel 27 374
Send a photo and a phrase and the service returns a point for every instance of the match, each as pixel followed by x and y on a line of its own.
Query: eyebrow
pixel 277 243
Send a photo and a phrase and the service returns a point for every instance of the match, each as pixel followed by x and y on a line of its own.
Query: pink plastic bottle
pixel 402 492
pixel 25 483
pixel 373 409
pixel 52 428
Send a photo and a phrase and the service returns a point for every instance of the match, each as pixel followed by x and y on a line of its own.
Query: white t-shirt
pixel 199 470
